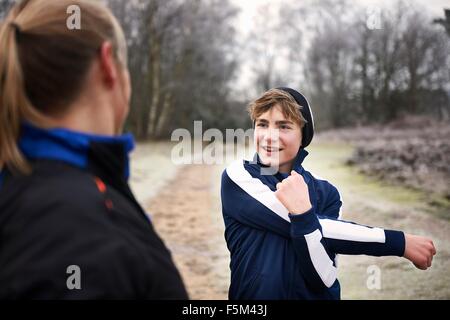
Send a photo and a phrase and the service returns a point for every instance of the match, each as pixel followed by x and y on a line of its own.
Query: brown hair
pixel 43 64
pixel 272 97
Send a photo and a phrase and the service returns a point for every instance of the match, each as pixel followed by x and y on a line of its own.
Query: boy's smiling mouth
pixel 270 149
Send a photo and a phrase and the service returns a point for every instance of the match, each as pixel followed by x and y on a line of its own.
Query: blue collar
pixel 301 155
pixel 271 180
pixel 279 176
pixel 69 146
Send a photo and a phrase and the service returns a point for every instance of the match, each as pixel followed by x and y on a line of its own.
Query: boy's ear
pixel 108 64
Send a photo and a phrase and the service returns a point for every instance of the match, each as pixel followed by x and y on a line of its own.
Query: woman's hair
pixel 43 64
pixel 289 107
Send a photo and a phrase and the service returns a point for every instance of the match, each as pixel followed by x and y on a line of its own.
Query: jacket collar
pixel 104 155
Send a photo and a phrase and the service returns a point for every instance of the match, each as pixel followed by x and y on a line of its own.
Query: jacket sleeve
pixel 242 206
pixel 320 238
pixel 252 203
pixel 345 237
pixel 316 239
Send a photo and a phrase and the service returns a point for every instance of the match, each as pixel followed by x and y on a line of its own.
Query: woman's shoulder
pixel 53 190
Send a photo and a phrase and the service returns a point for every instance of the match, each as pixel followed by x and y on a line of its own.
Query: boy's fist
pixel 293 194
pixel 419 250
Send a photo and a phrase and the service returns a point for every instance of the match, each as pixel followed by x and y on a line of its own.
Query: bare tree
pixel 358 74
pixel 444 22
pixel 264 46
pixel 181 62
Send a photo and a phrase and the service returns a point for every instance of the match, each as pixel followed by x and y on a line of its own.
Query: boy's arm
pixel 251 203
pixel 341 236
pixel 419 250
pixel 259 208
pixel 345 237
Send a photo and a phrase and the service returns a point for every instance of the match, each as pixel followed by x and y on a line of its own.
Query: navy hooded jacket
pixel 276 255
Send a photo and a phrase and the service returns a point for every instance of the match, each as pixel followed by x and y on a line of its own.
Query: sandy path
pixel 150 169
pixel 185 213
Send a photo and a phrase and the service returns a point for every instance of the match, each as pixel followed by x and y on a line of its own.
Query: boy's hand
pixel 293 194
pixel 419 250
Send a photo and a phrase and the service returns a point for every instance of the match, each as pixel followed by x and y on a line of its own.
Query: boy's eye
pixel 283 126
pixel 262 125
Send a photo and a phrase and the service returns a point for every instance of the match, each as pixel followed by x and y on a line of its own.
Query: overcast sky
pixel 249 7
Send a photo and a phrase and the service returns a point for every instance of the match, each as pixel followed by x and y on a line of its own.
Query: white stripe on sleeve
pixel 256 189
pixel 320 259
pixel 340 230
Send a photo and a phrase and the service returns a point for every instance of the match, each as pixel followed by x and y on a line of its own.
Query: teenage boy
pixel 282 224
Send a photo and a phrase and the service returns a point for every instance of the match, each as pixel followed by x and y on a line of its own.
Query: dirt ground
pixel 185 214
pixel 184 205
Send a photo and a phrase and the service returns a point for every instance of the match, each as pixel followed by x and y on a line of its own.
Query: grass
pixel 328 160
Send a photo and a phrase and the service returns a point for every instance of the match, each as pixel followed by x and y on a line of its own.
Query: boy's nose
pixel 272 135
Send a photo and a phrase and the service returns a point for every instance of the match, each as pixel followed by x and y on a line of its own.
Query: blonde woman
pixel 70 227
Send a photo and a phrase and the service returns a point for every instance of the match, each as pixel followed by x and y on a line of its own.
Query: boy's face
pixel 277 139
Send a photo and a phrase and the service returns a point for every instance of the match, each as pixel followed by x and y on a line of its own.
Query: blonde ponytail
pixel 12 99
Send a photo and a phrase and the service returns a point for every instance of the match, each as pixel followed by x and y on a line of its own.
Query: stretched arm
pixel 343 237
pixel 252 203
